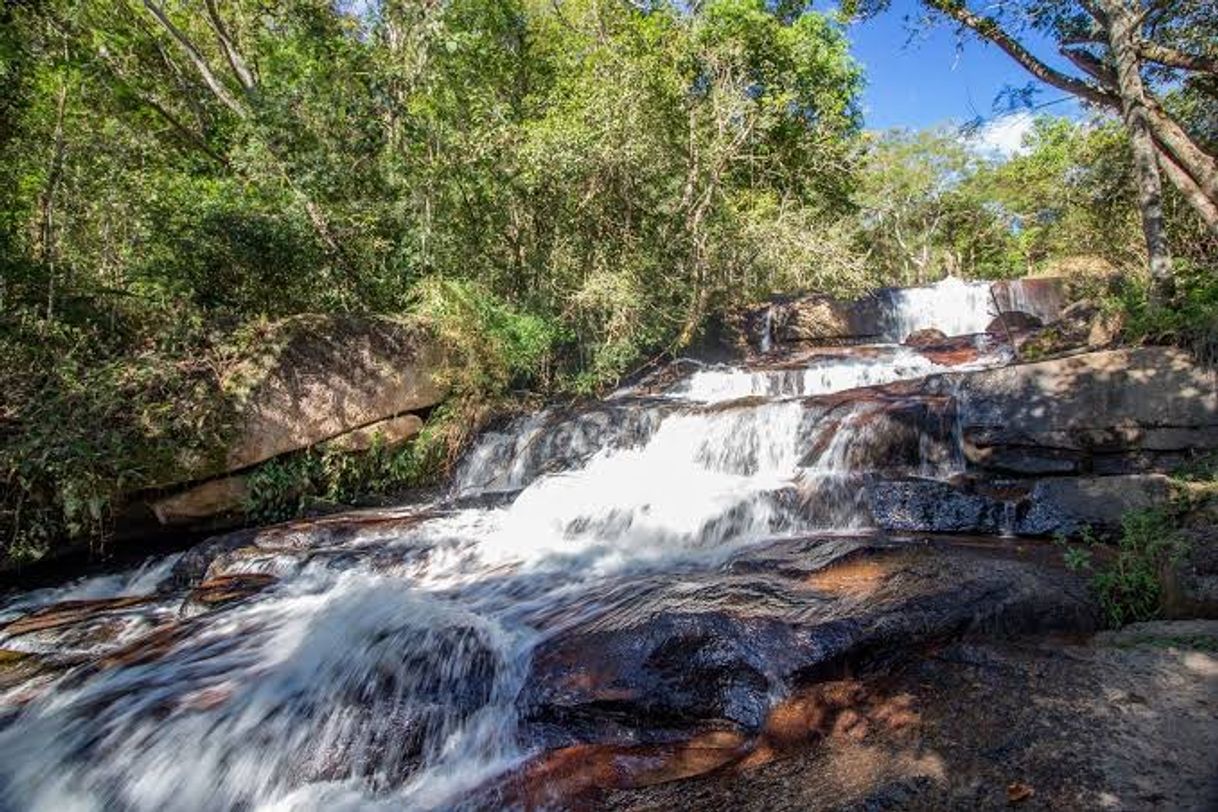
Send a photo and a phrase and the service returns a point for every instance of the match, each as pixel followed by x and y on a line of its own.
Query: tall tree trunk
pixel 45 236
pixel 1122 33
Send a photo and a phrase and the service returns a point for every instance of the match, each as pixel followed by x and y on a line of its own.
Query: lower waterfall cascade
pixel 385 670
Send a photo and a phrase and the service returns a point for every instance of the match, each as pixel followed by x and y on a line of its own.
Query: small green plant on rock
pixel 1129 584
pixel 289 486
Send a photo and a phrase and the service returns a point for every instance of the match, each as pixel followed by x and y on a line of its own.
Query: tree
pixel 1129 56
pixel 909 200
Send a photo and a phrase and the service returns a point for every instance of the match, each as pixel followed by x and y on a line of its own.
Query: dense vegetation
pixel 560 190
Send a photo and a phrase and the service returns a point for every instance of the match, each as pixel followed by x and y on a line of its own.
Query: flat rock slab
pixel 680 658
pixel 1126 721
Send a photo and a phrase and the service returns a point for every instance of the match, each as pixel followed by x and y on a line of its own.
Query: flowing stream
pixel 384 669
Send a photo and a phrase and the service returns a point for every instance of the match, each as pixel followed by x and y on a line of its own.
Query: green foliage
pixel 493 345
pixel 1129 579
pixel 291 485
pixel 1190 319
pixel 559 191
pixel 76 432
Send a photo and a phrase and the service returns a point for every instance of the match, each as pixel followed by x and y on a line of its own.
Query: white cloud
pixel 1003 137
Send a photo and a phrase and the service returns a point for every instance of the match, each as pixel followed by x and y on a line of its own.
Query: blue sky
pixel 929 80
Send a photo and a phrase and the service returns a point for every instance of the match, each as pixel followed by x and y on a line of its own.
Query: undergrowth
pixel 291 485
pixel 1189 318
pixel 1129 582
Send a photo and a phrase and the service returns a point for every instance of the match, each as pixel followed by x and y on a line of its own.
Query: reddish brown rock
pixel 229 588
pixel 926 337
pixel 68 613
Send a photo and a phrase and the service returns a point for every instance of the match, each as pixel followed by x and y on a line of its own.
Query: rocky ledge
pixel 682 676
pixel 1124 720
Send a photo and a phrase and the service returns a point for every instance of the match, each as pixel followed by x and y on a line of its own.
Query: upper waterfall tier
pixel 952 306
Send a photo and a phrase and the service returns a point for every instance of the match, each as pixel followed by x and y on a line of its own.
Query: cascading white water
pixel 386 672
pixel 820 376
pixel 767 330
pixel 952 305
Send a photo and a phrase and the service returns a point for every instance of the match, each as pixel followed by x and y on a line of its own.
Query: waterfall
pixel 767 330
pixel 951 305
pixel 821 375
pixel 383 670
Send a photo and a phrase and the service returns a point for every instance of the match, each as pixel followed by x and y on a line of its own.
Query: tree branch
pixel 196 58
pixel 1174 58
pixel 987 28
pixel 243 74
pixel 1205 208
pixel 1202 167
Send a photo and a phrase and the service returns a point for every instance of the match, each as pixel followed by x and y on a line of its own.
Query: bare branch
pixel 242 72
pixel 196 58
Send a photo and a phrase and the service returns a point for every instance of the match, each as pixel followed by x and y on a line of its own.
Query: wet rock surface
pixel 675 658
pixel 1122 721
pixel 1041 507
pixel 286 547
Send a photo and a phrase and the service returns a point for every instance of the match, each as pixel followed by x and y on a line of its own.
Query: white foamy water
pixel 383 671
pixel 819 377
pixel 872 366
pixel 952 305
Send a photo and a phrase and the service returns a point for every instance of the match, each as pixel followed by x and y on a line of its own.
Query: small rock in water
pixel 926 337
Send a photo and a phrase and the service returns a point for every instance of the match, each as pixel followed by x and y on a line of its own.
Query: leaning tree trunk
pixel 1122 31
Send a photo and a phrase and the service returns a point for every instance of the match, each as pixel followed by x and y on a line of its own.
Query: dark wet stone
pixel 927 505
pixel 711 648
pixel 1015 321
pixel 1070 504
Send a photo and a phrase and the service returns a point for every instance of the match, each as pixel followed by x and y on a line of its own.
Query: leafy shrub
pixel 288 486
pixel 493 346
pixel 1129 583
pixel 1190 319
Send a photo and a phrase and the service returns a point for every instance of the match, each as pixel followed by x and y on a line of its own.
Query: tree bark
pixel 1202 167
pixel 196 58
pixel 1122 33
pixel 1205 208
pixel 244 76
pixel 47 203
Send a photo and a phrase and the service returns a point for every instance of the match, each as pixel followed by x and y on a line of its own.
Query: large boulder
pixel 1113 412
pixel 330 376
pixel 342 383
pixel 819 319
